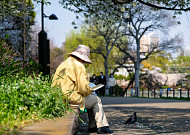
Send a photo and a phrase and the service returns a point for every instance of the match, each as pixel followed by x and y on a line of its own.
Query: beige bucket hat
pixel 82 52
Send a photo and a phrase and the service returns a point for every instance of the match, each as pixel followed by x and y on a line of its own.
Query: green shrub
pixel 165 87
pixel 188 77
pixel 118 90
pixel 27 99
pixel 121 77
pixel 9 65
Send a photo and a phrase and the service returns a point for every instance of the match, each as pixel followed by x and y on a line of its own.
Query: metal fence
pixel 158 93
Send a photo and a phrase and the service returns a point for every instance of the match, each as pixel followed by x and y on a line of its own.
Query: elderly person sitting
pixel 71 76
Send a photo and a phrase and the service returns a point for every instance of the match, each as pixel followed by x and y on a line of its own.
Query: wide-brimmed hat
pixel 82 52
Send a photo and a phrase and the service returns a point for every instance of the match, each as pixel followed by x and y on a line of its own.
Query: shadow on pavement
pixel 149 120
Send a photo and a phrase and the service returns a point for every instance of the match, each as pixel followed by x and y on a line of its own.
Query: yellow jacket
pixel 71 76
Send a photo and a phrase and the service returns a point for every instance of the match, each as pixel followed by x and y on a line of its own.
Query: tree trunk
pixel 130 83
pixel 106 71
pixel 137 69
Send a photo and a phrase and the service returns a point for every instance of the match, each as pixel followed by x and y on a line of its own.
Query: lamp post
pixel 43 44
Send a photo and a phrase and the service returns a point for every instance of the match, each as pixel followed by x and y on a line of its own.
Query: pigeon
pixel 132 119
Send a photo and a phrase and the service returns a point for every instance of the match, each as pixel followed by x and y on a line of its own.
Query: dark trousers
pixel 102 91
pixel 111 91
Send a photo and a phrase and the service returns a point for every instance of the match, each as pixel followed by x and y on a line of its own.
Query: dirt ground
pixel 154 116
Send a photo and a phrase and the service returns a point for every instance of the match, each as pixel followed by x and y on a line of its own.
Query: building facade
pixel 148 42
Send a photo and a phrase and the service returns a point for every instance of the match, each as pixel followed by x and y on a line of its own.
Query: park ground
pixel 155 116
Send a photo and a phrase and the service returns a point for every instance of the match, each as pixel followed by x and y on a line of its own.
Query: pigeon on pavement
pixel 132 119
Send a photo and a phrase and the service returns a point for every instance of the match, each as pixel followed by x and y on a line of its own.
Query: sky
pixel 58 29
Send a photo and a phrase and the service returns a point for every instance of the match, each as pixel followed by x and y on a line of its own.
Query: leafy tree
pixel 89 7
pixel 183 60
pixel 143 20
pixel 147 65
pixel 160 4
pixel 181 64
pixel 121 77
pixel 161 59
pixel 73 39
pixel 91 37
pixel 109 30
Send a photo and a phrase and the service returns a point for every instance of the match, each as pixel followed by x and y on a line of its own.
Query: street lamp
pixel 43 44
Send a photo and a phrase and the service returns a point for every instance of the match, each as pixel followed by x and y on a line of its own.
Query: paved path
pixel 155 116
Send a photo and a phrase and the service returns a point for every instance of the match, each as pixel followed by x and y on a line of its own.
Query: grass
pixel 182 98
pixel 27 99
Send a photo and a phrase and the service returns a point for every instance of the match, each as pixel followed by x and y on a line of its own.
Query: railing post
pixel 173 93
pixel 148 92
pixel 188 93
pixel 154 93
pixel 180 93
pixel 167 92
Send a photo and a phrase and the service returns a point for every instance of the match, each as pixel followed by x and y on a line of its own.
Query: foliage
pixel 93 7
pixel 121 77
pixel 104 29
pixel 183 60
pixel 9 63
pixel 24 98
pixel 73 39
pixel 181 64
pixel 16 17
pixel 146 65
pixel 13 8
pixel 44 1
pixel 130 77
pixel 161 60
pixel 100 49
pixel 142 20
pixel 188 77
pixel 184 81
pixel 27 99
pixel 89 8
pixel 165 87
pixel 56 57
pixel 135 20
pixel 118 90
pixel 110 31
pixel 149 80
